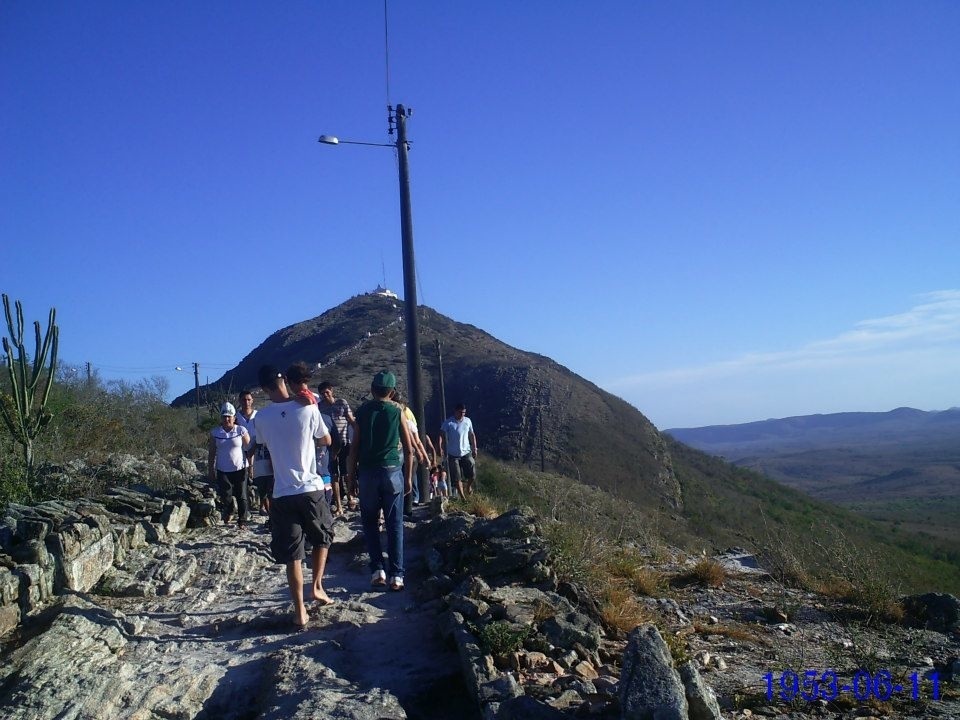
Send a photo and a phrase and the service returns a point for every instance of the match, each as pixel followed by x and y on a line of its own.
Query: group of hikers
pixel 309 456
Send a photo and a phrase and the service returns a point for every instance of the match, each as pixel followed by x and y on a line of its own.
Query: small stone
pixel 535 660
pixel 568 698
pixel 586 670
pixel 713 620
pixel 720 664
pixel 747 713
pixel 928 661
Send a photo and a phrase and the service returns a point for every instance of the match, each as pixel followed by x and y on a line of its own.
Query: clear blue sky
pixel 721 212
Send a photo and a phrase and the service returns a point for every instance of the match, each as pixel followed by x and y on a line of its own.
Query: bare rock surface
pixel 184 619
pixel 202 628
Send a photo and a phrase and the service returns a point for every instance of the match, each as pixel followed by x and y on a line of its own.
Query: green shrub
pixel 90 421
pixel 501 637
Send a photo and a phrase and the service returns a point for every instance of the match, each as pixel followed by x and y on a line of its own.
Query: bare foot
pixel 300 617
pixel 320 595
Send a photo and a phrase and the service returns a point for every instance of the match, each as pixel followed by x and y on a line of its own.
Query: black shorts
pixel 338 463
pixel 296 517
pixel 264 485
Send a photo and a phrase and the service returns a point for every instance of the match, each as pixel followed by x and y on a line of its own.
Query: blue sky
pixel 721 212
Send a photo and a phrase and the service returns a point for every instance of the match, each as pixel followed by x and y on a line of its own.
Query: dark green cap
pixel 385 379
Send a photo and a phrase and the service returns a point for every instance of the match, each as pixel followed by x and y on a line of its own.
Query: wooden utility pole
pixel 196 389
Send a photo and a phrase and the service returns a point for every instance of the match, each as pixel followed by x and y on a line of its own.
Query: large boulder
pixel 9 600
pixel 934 611
pixel 650 688
pixel 83 553
pixel 700 696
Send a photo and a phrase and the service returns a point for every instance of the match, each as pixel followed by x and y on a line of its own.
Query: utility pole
pixel 443 390
pixel 196 389
pixel 89 374
pixel 543 464
pixel 414 380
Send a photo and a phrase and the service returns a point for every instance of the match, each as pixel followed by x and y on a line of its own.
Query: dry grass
pixel 628 564
pixel 706 572
pixel 875 597
pixel 543 611
pixel 479 505
pixel 620 609
pixel 577 554
pixel 734 632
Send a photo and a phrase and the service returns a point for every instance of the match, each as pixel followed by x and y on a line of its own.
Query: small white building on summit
pixel 383 292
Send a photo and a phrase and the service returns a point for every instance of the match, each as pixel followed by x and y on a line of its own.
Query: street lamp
pixel 398 117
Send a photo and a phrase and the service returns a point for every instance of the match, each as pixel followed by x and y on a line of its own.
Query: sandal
pixel 396 583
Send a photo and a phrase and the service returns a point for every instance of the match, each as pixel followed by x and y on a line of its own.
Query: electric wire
pixel 386 51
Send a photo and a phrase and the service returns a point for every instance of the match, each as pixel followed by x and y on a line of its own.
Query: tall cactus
pixel 23 412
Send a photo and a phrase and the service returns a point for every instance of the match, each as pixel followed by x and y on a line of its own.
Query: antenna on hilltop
pixel 383 269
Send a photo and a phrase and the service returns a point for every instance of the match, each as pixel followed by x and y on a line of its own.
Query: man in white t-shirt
pixel 298 511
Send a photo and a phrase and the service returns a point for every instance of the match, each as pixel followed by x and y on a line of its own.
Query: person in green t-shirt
pixel 375 464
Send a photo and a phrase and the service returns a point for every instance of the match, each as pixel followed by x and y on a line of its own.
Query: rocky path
pixel 202 628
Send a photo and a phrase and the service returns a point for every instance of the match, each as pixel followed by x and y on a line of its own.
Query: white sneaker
pixel 396 583
pixel 378 579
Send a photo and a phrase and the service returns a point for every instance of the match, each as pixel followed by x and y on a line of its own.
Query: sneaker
pixel 378 579
pixel 396 583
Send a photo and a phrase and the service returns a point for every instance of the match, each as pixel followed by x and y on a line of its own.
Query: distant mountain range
pixel 804 432
pixel 901 466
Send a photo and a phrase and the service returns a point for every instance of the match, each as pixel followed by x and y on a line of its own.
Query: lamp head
pixel 329 140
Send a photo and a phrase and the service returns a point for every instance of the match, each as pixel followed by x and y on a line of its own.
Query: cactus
pixel 23 412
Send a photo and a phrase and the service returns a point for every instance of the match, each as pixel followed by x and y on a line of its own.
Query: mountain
pixel 901 467
pixel 873 429
pixel 514 398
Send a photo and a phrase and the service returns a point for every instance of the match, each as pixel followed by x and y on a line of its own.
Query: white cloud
pixel 881 363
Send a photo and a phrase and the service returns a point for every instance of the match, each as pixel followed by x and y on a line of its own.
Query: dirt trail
pixel 225 646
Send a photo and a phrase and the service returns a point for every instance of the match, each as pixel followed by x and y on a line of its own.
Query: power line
pixel 161 368
pixel 386 51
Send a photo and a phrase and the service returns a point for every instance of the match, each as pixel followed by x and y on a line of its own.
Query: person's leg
pixel 392 499
pixel 318 526
pixel 469 468
pixel 240 493
pixel 268 494
pixel 225 490
pixel 319 565
pixel 337 504
pixel 455 477
pixel 295 583
pixel 370 516
pixel 286 545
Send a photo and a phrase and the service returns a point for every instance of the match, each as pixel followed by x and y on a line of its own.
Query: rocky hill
pixel 513 397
